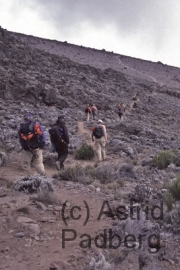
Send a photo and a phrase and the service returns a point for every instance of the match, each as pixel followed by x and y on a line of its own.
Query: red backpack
pixel 87 109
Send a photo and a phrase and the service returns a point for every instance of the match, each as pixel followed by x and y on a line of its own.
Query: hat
pixel 28 116
pixel 60 117
pixel 100 121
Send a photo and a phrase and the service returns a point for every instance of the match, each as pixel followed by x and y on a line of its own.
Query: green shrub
pixel 88 174
pixel 73 173
pixel 77 174
pixel 120 182
pixel 107 174
pixel 104 174
pixel 163 159
pixel 174 188
pixel 85 152
pixel 169 200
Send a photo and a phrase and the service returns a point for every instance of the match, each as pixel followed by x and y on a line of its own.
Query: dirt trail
pixel 81 129
pixel 38 250
pixel 85 132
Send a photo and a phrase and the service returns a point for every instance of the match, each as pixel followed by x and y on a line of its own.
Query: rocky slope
pixel 49 78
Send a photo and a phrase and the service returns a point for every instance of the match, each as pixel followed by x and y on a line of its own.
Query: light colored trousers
pixel 87 116
pixel 35 160
pixel 100 148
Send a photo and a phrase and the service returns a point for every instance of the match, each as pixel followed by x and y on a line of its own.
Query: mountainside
pixel 49 78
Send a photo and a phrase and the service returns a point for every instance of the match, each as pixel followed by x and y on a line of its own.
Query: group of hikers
pixel 32 139
pixel 89 110
pixel 93 110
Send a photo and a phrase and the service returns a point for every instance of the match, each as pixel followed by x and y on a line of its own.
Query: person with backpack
pixel 87 112
pixel 99 135
pixel 120 111
pixel 94 110
pixel 32 140
pixel 60 139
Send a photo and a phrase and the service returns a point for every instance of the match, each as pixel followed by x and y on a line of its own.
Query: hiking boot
pixel 44 174
pixel 57 163
pixel 61 166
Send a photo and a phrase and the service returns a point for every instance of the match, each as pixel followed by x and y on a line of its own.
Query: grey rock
pixel 20 234
pixel 25 220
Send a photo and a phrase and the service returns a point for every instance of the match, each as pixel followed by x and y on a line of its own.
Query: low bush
pixel 73 173
pixel 77 174
pixel 163 159
pixel 105 174
pixel 169 200
pixel 47 197
pixel 85 152
pixel 174 189
pixel 88 174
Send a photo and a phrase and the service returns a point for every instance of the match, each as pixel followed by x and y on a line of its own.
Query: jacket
pixel 33 139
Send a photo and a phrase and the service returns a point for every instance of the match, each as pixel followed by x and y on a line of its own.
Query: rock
pixel 57 208
pixel 3 159
pixel 41 205
pixel 3 193
pixel 29 225
pixel 146 162
pixel 25 220
pixel 19 234
pixel 47 219
pixel 31 229
pixel 91 187
pixel 59 265
pixel 68 204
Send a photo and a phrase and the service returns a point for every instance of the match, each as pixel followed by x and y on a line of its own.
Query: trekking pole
pixel 31 150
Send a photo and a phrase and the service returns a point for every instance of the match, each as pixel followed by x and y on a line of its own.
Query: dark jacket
pixel 38 139
pixel 65 136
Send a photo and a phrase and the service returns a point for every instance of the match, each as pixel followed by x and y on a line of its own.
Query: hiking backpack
pixel 87 110
pixel 98 132
pixel 94 109
pixel 56 135
pixel 32 135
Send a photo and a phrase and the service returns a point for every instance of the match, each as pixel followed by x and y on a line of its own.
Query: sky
pixel 145 29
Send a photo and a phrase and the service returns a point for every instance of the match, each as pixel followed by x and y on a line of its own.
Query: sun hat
pixel 100 121
pixel 28 116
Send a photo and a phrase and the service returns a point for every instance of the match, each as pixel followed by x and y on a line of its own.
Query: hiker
pixel 32 140
pixel 100 135
pixel 120 111
pixel 124 107
pixel 94 110
pixel 87 112
pixel 60 140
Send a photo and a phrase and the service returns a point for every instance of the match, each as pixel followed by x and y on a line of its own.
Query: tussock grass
pixel 174 189
pixel 173 194
pixel 163 159
pixel 47 197
pixel 85 152
pixel 169 200
pixel 89 174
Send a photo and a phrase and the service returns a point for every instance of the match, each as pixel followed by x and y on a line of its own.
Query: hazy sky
pixel 146 29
